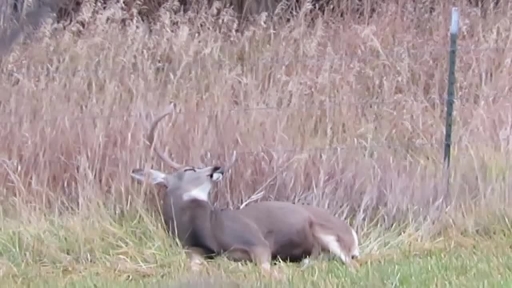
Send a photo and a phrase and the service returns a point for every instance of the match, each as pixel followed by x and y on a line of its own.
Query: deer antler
pixel 231 163
pixel 151 139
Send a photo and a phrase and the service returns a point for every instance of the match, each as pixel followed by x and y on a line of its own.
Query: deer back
pixel 287 228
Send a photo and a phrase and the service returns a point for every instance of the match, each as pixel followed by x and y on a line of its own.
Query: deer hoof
pixel 196 265
pixel 273 274
pixel 306 263
pixel 353 266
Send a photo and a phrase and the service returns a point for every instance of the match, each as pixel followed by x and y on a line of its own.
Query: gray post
pixel 454 32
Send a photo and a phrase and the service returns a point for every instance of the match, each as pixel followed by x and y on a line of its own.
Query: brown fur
pixel 287 228
pixel 214 232
pixel 295 232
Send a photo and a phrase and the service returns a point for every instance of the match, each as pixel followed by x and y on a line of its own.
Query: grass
pixel 346 114
pixel 451 269
pixel 100 252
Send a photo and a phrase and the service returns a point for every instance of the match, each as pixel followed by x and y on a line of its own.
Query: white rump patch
pixel 333 246
pixel 217 176
pixel 154 176
pixel 200 193
pixel 355 252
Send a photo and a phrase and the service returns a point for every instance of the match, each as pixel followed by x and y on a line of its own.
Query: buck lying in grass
pixel 257 233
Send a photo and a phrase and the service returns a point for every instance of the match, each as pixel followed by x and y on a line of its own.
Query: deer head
pixel 187 182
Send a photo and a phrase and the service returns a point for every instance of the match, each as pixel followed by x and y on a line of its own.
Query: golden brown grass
pixel 345 115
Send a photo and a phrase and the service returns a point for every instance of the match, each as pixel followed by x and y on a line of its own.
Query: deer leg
pixel 316 253
pixel 262 256
pixel 316 250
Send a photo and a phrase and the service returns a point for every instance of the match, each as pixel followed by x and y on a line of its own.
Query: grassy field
pixel 101 252
pixel 339 113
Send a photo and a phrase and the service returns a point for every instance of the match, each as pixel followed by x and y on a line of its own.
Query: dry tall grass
pixel 73 105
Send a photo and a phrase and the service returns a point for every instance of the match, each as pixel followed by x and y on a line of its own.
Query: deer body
pixel 296 231
pixel 258 232
pixel 215 232
pixel 288 228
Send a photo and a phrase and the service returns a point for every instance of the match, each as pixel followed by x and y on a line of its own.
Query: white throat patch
pixel 200 193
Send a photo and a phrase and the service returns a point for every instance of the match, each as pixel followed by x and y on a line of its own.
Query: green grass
pixel 442 268
pixel 84 251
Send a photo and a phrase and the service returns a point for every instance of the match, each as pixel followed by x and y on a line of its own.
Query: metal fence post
pixel 454 31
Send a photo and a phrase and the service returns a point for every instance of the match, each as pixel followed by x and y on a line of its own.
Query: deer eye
pixel 190 169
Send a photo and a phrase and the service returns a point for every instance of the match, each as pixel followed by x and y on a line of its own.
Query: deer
pixel 280 222
pixel 266 226
pixel 204 231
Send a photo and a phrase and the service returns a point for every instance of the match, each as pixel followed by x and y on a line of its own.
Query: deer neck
pixel 196 224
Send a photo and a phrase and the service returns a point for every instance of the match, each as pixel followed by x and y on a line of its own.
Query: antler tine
pixel 231 163
pixel 151 139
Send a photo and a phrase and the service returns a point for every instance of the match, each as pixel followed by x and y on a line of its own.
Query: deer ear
pixel 155 177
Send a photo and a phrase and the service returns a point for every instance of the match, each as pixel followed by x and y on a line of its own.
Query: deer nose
pixel 217 169
pixel 216 173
